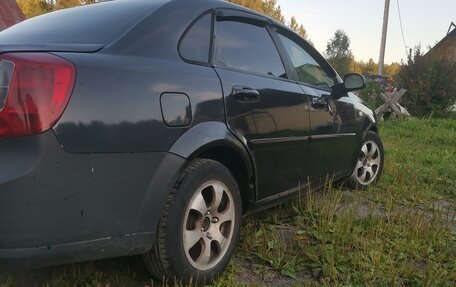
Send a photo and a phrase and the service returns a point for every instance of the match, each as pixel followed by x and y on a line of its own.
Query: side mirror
pixel 354 82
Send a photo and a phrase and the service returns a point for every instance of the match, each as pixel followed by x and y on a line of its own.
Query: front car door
pixel 265 108
pixel 334 142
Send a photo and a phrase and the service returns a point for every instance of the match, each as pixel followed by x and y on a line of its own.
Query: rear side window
pixel 195 44
pixel 247 47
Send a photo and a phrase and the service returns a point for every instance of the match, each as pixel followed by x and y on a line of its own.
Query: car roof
pixel 168 23
pixel 99 23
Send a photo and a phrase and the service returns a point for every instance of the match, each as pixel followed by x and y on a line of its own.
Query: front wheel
pixel 200 226
pixel 369 165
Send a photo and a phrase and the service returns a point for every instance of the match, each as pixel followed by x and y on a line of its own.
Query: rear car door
pixel 333 125
pixel 265 109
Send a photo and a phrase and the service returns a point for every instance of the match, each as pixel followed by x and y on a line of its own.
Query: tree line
pixel 270 8
pixel 32 8
pixel 339 54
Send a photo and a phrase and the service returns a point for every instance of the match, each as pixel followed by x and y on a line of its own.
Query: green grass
pixel 402 232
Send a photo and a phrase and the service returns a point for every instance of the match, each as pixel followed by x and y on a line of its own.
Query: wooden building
pixel 10 14
pixel 445 50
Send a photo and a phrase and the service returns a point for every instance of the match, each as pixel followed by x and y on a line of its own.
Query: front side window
pixel 308 70
pixel 247 47
pixel 195 44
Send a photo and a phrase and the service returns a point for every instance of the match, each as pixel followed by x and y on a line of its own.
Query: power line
pixel 402 29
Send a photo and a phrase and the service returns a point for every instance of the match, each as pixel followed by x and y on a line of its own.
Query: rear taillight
pixel 34 90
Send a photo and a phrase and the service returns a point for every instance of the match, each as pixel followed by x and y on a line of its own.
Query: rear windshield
pixel 92 24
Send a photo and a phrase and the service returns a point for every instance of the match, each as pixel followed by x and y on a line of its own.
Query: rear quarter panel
pixel 115 106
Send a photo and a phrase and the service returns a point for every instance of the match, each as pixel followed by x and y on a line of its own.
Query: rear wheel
pixel 200 226
pixel 369 165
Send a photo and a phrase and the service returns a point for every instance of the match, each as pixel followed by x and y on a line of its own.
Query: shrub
pixel 371 94
pixel 431 88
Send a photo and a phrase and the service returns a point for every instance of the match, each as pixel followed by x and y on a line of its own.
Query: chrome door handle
pixel 245 94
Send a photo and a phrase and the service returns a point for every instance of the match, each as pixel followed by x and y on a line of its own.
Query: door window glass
pixel 247 47
pixel 308 70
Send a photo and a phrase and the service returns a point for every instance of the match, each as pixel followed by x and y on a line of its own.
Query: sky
pixel 423 21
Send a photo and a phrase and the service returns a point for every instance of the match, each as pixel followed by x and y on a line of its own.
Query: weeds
pixel 400 232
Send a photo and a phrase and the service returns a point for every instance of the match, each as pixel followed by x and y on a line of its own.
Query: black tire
pixel 169 260
pixel 373 161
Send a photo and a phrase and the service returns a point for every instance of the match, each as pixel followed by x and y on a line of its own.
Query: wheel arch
pixel 369 124
pixel 374 129
pixel 213 140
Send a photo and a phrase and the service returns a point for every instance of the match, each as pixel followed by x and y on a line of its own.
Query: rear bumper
pixel 58 207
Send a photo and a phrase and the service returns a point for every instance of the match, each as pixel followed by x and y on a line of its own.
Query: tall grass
pixel 401 232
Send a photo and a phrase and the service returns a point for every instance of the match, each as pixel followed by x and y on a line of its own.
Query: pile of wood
pixel 391 107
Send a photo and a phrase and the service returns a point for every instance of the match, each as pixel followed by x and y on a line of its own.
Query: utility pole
pixel 383 43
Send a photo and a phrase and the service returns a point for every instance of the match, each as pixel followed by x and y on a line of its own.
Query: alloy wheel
pixel 208 225
pixel 368 164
